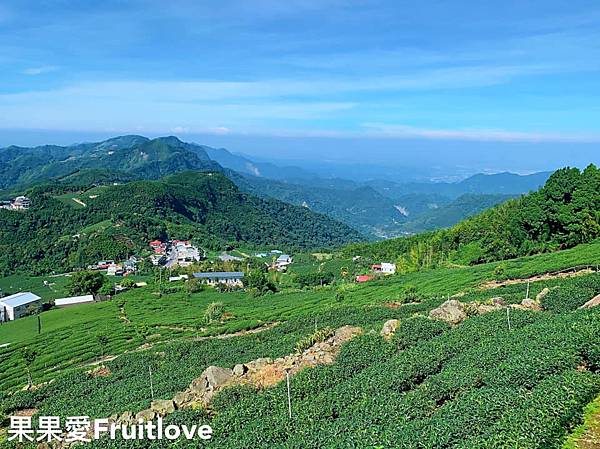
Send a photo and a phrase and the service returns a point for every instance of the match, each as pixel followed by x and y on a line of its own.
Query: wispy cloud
pixel 482 135
pixel 39 70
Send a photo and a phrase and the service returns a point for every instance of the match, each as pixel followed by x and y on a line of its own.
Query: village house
pixel 21 203
pixel 104 264
pixel 158 247
pixel 157 259
pixel 384 268
pixel 363 278
pixel 224 257
pixel 182 277
pixel 18 305
pixel 282 262
pixel 115 270
pixel 74 301
pixel 233 278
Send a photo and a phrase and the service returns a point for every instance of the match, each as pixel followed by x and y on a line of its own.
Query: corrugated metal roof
pixel 74 300
pixel 220 275
pixel 20 299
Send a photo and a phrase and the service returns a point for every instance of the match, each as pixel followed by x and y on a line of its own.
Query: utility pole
pixel 151 385
pixel 508 317
pixel 527 296
pixel 287 375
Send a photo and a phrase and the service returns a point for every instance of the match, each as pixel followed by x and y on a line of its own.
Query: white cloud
pixel 495 135
pixel 40 70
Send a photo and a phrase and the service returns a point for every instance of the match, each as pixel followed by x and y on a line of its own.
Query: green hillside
pixel 69 228
pixel 447 215
pixel 139 156
pixel 430 386
pixel 562 214
pixel 362 208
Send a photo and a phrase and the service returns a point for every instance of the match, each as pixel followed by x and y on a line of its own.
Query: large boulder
pixel 240 369
pixel 216 376
pixel 389 328
pixel 531 304
pixel 345 333
pixel 145 415
pixel 595 301
pixel 452 312
pixel 163 406
pixel 498 301
pixel 182 398
pixel 199 385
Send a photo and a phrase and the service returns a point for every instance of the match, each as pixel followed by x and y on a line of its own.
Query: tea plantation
pixel 518 381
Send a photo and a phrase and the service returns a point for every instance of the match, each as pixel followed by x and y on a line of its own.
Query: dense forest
pixel 139 156
pixel 68 227
pixel 562 214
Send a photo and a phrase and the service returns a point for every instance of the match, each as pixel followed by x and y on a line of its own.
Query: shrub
pixel 316 337
pixel 214 312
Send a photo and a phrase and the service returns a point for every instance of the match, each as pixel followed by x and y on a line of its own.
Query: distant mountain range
pixel 378 208
pixel 499 183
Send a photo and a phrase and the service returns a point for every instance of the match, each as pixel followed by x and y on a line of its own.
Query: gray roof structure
pixel 19 299
pixel 220 275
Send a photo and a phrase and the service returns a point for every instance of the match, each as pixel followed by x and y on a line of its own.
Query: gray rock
pixel 498 301
pixel 199 385
pixel 163 406
pixel 126 417
pixel 240 369
pixel 531 304
pixel 486 308
pixel 541 294
pixel 452 311
pixel 389 328
pixel 216 376
pixel 345 333
pixel 146 415
pixel 183 397
pixel 262 362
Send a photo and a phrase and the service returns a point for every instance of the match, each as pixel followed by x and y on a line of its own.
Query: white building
pixel 21 203
pixel 74 301
pixel 282 262
pixel 388 268
pixel 221 277
pixel 16 306
pixel 182 277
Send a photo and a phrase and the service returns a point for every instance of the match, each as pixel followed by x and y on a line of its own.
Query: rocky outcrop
pixel 163 406
pixel 531 304
pixel 260 373
pixel 542 294
pixel 595 301
pixel 389 328
pixel 216 376
pixel 452 312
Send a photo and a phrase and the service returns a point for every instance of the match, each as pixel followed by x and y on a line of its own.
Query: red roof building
pixel 363 278
pixel 156 244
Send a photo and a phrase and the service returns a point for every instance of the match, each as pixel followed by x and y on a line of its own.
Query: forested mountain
pixel 68 227
pixel 141 157
pixel 499 183
pixel 362 207
pixel 378 209
pixel 562 214
pixel 449 214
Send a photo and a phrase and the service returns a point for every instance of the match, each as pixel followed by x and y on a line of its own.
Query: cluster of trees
pixel 314 279
pixel 563 213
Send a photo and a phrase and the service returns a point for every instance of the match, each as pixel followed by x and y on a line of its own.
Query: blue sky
pixel 497 73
